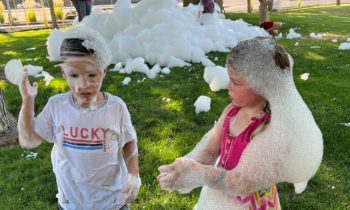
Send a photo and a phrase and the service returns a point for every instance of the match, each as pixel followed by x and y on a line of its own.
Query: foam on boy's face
pixel 239 91
pixel 84 79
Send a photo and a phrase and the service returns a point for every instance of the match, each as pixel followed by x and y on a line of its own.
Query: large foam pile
pixel 161 32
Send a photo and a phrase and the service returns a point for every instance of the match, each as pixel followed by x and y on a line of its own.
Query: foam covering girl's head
pixel 263 63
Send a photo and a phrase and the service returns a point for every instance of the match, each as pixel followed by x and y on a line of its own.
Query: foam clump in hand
pixel 202 104
pixel 14 71
pixel 34 70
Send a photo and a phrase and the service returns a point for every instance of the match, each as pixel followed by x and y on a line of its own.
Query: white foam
pixel 292 34
pixel 344 46
pixel 317 36
pixel 305 76
pixel 216 77
pixel 126 81
pixel 202 104
pixel 14 71
pixel 163 33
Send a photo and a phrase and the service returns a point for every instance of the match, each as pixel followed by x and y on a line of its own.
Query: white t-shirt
pixel 86 156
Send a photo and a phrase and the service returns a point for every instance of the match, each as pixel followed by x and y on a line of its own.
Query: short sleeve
pixel 128 130
pixel 44 125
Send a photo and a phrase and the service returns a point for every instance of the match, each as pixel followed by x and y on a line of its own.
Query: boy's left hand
pixel 131 187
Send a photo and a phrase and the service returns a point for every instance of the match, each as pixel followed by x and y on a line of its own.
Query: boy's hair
pixel 81 41
pixel 263 63
pixel 73 47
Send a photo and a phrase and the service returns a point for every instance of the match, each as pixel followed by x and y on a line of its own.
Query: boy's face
pixel 84 79
pixel 239 91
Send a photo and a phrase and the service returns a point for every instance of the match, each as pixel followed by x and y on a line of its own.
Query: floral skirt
pixel 265 199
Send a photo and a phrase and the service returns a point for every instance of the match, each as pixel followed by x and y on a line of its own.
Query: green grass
pixel 169 129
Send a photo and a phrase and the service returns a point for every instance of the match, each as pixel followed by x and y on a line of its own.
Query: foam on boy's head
pixel 83 41
pixel 263 63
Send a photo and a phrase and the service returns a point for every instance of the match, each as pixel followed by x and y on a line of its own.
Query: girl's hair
pixel 281 57
pixel 263 45
pixel 73 47
pixel 263 63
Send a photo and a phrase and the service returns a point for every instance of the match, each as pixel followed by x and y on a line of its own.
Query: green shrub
pixel 59 13
pixel 2 19
pixel 31 16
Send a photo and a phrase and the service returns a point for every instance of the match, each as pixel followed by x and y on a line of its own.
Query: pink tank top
pixel 233 147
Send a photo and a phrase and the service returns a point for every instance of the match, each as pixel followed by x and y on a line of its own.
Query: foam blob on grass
pixel 305 76
pixel 317 36
pixel 292 34
pixel 202 104
pixel 344 46
pixel 126 81
pixel 216 77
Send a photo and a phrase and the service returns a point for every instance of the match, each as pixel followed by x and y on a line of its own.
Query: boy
pixel 94 157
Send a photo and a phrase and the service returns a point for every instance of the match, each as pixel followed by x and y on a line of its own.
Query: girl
pixel 266 135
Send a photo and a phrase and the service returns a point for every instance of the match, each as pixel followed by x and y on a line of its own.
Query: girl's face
pixel 240 93
pixel 84 79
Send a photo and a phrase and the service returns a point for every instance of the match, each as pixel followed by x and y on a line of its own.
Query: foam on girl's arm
pixel 203 153
pixel 259 167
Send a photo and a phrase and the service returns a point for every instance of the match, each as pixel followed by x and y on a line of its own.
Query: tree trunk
pixel 299 4
pixel 338 2
pixel 53 16
pixel 249 6
pixel 8 125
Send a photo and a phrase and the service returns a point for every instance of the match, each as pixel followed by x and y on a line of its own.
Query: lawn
pixel 163 115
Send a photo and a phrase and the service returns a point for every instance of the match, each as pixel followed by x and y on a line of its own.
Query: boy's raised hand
pixel 27 91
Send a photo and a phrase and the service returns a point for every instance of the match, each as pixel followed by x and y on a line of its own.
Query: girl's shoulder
pixel 228 109
pixel 224 113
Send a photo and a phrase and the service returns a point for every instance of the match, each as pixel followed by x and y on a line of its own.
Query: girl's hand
pixel 131 187
pixel 27 91
pixel 183 175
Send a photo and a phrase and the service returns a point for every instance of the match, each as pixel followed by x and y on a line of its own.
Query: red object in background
pixel 266 25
